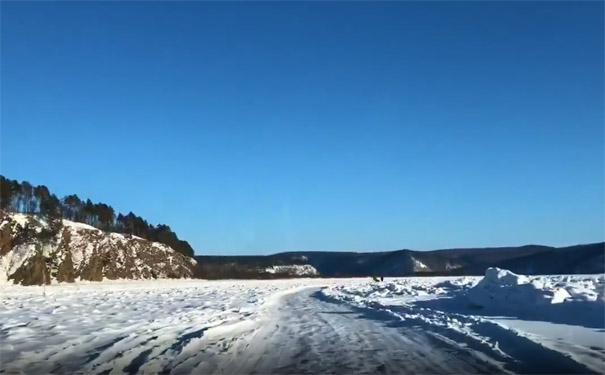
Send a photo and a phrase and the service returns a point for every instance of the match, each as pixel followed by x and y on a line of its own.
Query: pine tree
pixel 120 225
pixel 42 196
pixel 72 208
pixel 89 213
pixel 6 193
pixel 27 193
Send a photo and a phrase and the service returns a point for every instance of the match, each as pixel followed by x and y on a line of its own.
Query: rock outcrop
pixel 34 252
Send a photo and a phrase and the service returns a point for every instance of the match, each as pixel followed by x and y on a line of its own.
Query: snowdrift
pixel 562 299
pixel 572 300
pixel 403 289
pixel 504 289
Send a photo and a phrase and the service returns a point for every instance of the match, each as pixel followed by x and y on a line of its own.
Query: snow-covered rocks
pixel 32 253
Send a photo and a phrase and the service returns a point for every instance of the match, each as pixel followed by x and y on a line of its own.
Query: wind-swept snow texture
pixel 126 326
pixel 406 325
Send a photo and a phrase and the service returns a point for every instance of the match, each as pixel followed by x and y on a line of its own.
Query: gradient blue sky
pixel 259 127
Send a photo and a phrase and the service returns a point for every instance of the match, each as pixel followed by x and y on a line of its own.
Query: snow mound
pixel 400 289
pixel 505 289
pixel 497 276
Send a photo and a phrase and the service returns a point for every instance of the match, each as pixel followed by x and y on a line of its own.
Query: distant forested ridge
pixel 25 198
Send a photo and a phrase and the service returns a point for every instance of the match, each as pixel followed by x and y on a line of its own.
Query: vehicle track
pixel 306 333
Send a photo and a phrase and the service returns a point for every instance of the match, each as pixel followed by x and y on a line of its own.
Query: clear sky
pixel 260 127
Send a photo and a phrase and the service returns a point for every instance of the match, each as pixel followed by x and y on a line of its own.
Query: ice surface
pixel 402 325
pixel 99 326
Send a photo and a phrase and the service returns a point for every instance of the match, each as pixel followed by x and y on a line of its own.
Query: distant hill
pixel 253 267
pixel 530 259
pixel 571 260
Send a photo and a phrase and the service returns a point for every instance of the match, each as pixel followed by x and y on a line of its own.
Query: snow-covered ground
pixel 503 324
pixel 127 325
pixel 527 324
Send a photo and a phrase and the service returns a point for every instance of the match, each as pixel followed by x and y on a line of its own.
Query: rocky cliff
pixel 34 252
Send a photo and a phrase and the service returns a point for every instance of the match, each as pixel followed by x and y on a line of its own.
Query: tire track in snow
pixel 309 334
pixel 483 338
pixel 291 331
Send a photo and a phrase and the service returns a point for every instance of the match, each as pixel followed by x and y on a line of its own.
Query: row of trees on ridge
pixel 23 197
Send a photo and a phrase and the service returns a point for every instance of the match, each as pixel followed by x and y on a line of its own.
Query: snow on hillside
pixel 295 270
pixel 21 219
pixel 80 251
pixel 419 266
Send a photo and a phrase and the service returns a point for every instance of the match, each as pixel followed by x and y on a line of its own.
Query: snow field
pixel 131 326
pixel 502 323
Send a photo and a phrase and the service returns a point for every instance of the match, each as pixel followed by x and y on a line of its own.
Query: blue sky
pixel 259 127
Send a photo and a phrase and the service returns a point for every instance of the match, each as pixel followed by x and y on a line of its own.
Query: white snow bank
pixel 504 289
pixel 495 275
pixel 400 289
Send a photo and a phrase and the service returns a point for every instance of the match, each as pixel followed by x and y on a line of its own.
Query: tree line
pixel 38 200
